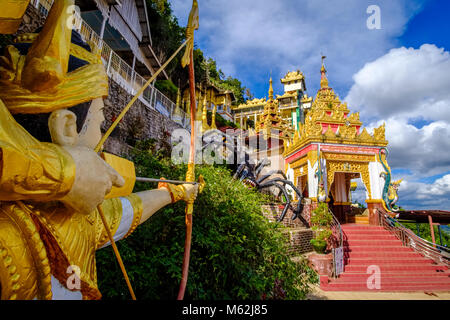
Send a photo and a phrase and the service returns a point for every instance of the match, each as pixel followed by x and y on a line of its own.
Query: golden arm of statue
pixel 124 215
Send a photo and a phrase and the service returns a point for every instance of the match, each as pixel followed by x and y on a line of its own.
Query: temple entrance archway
pixel 339 177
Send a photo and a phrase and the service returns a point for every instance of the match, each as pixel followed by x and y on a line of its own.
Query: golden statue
pixel 49 227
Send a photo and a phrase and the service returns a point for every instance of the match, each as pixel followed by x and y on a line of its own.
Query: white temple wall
pixel 376 181
pixel 312 180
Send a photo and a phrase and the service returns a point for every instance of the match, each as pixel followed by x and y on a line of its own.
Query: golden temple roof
pixel 329 121
pixel 292 76
pixel 291 94
pixel 271 120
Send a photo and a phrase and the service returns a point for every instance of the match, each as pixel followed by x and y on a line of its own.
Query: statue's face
pixel 91 134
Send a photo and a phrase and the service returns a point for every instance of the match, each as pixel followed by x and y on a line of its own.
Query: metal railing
pixel 338 248
pixel 121 72
pixel 437 253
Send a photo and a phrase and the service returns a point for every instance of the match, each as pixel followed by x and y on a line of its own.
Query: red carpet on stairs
pixel 375 260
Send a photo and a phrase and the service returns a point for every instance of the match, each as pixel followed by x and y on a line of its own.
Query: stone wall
pixel 273 211
pixel 299 241
pixel 140 123
pixel 297 233
pixel 32 20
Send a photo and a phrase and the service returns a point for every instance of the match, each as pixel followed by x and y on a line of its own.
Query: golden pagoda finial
pixel 179 97
pixel 323 72
pixel 213 121
pixel 199 111
pixel 205 113
pixel 271 90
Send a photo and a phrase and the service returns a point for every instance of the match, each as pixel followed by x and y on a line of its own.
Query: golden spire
pixel 323 72
pixel 213 122
pixel 271 90
pixel 204 114
pixel 178 97
pixel 199 111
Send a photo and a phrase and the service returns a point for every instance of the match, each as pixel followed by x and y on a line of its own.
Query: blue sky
pixel 399 74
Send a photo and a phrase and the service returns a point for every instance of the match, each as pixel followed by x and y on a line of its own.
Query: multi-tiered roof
pixel 270 122
pixel 330 121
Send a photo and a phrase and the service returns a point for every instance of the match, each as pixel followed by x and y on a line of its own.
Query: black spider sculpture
pixel 250 175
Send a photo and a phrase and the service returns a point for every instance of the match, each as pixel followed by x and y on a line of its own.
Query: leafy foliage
pixel 167 36
pixel 166 33
pixel 236 253
pixel 423 231
pixel 321 223
pixel 168 88
pixel 321 216
pixel 220 121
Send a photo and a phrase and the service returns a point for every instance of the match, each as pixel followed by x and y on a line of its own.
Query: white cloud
pixel 250 38
pixel 417 195
pixel 405 83
pixel 401 87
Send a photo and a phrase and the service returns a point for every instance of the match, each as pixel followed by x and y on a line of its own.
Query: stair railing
pixel 435 252
pixel 338 248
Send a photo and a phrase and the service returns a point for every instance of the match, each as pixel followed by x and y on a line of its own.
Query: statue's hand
pixel 93 180
pixel 191 192
pixel 185 192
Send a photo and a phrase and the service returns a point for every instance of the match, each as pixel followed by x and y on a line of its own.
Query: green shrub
pixel 168 88
pixel 321 216
pixel 236 253
pixel 321 224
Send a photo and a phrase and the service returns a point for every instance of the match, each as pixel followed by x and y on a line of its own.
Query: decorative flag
pixel 193 24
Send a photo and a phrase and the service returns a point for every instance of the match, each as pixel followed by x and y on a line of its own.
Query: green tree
pixel 236 253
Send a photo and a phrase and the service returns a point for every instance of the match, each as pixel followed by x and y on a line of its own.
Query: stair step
pixel 394 279
pixel 357 226
pixel 377 249
pixel 386 287
pixel 394 267
pixel 358 242
pixel 385 238
pixel 371 261
pixel 381 254
pixel 367 232
pixel 430 275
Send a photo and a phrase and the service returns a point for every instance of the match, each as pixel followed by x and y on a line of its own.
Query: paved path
pixel 318 294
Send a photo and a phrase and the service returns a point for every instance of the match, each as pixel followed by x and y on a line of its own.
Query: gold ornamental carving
pixel 349 157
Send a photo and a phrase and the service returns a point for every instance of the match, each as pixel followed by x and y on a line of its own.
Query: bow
pixel 193 24
pixel 190 175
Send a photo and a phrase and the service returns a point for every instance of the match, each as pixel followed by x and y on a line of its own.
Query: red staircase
pixel 401 268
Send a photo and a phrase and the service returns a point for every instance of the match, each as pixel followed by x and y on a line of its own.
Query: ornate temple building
pixel 289 104
pixel 330 143
pixel 210 96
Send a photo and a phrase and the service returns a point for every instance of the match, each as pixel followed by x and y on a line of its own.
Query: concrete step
pixel 386 287
pixel 352 232
pixel 382 254
pixel 365 242
pixel 392 267
pixel 376 261
pixel 425 275
pixel 385 249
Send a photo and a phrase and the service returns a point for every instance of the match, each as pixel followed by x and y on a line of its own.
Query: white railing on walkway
pixel 121 72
